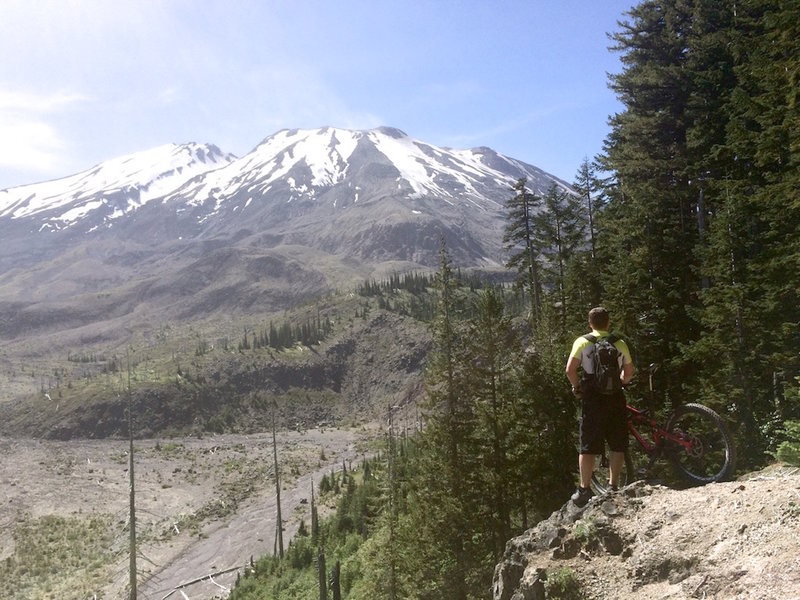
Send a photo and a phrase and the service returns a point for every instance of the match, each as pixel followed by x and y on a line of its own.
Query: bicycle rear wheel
pixel 602 474
pixel 708 454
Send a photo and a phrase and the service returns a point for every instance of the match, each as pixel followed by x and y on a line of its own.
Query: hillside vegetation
pixel 339 360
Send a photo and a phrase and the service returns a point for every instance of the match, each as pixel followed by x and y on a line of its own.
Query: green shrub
pixel 301 553
pixel 789 449
pixel 58 557
pixel 586 532
pixel 563 585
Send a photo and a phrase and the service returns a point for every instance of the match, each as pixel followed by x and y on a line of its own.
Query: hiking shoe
pixel 581 496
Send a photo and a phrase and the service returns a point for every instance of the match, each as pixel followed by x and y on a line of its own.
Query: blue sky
pixel 83 81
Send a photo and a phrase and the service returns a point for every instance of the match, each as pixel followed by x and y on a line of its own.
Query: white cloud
pixel 169 95
pixel 31 145
pixel 29 138
pixel 42 103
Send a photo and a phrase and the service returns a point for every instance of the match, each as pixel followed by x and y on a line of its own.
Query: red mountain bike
pixel 694 439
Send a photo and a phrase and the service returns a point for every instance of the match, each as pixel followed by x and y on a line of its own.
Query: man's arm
pixel 627 373
pixel 572 370
pixel 627 362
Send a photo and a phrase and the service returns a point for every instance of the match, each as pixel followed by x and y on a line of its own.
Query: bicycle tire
pixel 601 475
pixel 711 457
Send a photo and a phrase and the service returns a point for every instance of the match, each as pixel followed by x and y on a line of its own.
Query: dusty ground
pixel 203 506
pixel 729 540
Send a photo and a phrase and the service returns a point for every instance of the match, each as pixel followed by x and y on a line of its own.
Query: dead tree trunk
pixel 323 584
pixel 335 575
pixel 132 515
pixel 279 524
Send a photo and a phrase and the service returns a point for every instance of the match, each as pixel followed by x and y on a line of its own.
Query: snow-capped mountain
pixel 310 163
pixel 333 167
pixel 111 189
pixel 189 229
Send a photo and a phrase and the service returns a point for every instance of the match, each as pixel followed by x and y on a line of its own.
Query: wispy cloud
pixel 297 95
pixel 38 103
pixel 517 125
pixel 30 145
pixel 169 95
pixel 29 138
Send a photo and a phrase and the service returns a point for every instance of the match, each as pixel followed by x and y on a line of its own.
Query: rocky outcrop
pixel 568 532
pixel 646 542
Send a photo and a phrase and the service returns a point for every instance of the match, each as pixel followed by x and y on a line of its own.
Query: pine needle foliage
pixel 699 236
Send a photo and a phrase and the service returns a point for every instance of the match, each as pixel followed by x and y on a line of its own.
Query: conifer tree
pixel 492 350
pixel 648 232
pixel 700 233
pixel 751 256
pixel 583 274
pixel 441 508
pixel 588 187
pixel 519 241
pixel 559 235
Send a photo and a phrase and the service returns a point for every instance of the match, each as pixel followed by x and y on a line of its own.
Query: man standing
pixel 606 363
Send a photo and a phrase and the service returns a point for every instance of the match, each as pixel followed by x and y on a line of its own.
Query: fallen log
pixel 209 576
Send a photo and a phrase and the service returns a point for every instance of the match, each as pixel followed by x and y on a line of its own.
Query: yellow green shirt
pixel 581 349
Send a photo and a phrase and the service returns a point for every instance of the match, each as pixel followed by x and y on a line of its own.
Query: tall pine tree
pixel 559 236
pixel 519 242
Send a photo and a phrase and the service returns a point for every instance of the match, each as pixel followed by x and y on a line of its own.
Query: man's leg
pixel 586 468
pixel 590 439
pixel 617 436
pixel 584 493
pixel 615 462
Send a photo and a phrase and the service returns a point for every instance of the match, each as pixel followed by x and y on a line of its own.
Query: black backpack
pixel 605 359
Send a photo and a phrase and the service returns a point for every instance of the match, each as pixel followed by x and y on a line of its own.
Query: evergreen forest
pixel 686 227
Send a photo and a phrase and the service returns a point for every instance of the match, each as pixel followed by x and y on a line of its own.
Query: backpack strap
pixel 612 338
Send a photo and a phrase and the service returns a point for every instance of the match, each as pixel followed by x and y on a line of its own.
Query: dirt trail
pixel 203 504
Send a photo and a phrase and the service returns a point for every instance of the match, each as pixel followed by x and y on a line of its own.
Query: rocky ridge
pixel 647 542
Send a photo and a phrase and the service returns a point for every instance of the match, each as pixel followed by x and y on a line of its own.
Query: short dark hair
pixel 598 317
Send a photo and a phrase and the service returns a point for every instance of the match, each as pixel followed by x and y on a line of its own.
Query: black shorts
pixel 603 419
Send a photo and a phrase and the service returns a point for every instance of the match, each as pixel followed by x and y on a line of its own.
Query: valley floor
pixel 204 506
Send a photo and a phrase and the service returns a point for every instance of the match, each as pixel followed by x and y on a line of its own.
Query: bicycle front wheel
pixel 704 451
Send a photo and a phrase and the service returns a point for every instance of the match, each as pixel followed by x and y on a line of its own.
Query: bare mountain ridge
pixel 180 232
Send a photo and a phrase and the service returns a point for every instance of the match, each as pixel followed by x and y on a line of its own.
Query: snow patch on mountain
pixel 132 181
pixel 325 152
pixel 437 171
pixel 339 167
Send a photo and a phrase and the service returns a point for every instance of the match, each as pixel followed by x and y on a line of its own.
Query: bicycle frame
pixel 653 448
pixel 636 416
pixel 640 417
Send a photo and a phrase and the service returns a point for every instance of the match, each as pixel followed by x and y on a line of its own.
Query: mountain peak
pixel 140 176
pixel 193 230
pixel 391 132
